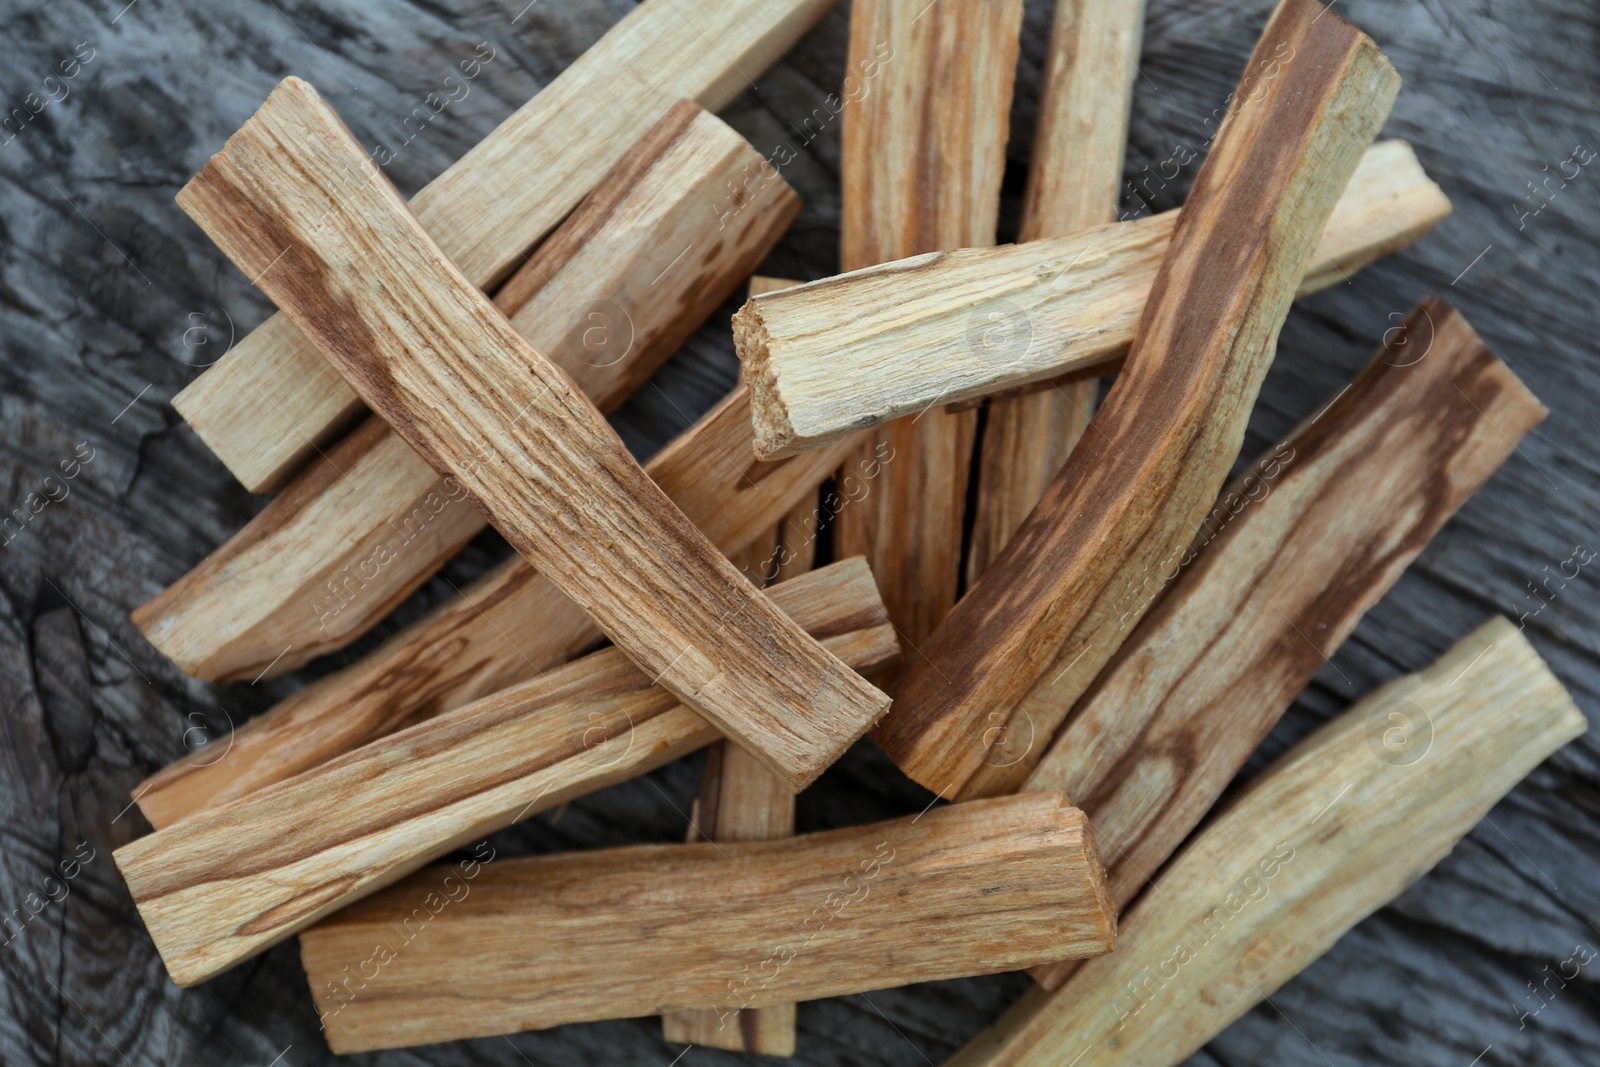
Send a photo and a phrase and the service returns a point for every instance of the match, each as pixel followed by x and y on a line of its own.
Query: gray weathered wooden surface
pixel 106 290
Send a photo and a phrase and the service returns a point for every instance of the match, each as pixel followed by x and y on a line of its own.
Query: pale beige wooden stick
pixel 1140 481
pixel 272 401
pixel 504 628
pixel 1332 831
pixel 608 297
pixel 224 885
pixel 922 160
pixel 1280 574
pixel 827 358
pixel 1073 182
pixel 739 801
pixel 340 253
pixel 537 942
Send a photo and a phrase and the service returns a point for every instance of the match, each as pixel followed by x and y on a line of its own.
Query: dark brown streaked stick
pixel 1283 569
pixel 1064 593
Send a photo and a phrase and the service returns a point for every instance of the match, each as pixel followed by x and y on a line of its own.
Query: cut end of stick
pixel 769 416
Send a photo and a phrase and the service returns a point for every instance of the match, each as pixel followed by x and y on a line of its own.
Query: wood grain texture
pixel 739 800
pixel 273 401
pixel 1282 571
pixel 1160 446
pixel 84 334
pixel 1336 828
pixel 608 297
pixel 922 160
pixel 965 889
pixel 504 628
pixel 443 367
pixel 1074 181
pixel 232 881
pixel 839 354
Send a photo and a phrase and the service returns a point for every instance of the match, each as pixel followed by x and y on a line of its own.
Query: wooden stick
pixel 609 296
pixel 1074 179
pixel 360 277
pixel 230 882
pixel 832 356
pixel 537 942
pixel 268 405
pixel 794 539
pixel 739 801
pixel 1137 486
pixel 1280 574
pixel 1335 829
pixel 503 629
pixel 922 162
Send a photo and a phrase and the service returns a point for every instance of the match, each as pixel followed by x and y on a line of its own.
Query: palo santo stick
pixel 739 800
pixel 1073 181
pixel 503 629
pixel 794 539
pixel 1138 484
pixel 832 356
pixel 361 277
pixel 1335 829
pixel 609 297
pixel 537 942
pixel 922 161
pixel 271 402
pixel 228 883
pixel 1280 574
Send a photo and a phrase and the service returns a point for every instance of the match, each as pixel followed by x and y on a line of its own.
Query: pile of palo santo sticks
pixel 1130 629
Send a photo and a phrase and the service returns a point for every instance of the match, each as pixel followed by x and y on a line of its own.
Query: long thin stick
pixel 922 163
pixel 989 323
pixel 1073 182
pixel 273 400
pixel 228 883
pixel 609 297
pixel 537 942
pixel 1138 485
pixel 429 352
